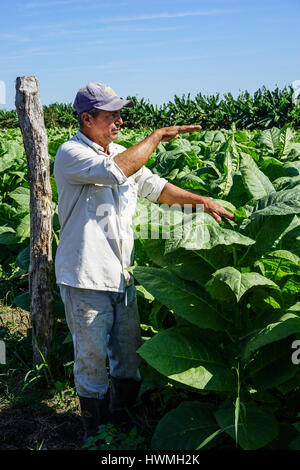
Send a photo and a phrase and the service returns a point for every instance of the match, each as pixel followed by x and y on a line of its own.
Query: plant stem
pixel 237 406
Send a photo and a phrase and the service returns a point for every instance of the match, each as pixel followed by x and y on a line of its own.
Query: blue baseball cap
pixel 100 96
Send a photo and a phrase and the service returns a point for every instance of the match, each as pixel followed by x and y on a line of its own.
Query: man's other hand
pixel 215 210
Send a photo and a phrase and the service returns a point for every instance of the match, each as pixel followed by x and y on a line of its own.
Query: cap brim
pixel 116 105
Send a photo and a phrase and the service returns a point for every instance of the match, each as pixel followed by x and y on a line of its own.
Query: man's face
pixel 106 126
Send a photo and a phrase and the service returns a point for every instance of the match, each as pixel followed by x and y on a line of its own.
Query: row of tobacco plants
pixel 219 302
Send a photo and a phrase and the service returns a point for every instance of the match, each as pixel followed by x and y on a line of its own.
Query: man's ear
pixel 86 118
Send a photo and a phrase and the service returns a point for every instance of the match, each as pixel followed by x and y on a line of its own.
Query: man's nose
pixel 119 120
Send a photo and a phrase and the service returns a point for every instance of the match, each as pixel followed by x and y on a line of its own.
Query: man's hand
pixel 169 133
pixel 172 194
pixel 215 210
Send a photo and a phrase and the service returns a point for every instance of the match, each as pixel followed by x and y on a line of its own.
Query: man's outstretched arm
pixel 133 158
pixel 171 194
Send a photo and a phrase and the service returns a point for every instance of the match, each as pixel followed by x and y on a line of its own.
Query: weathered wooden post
pixel 31 118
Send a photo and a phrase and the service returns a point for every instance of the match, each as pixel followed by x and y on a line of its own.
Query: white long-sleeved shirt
pixel 96 202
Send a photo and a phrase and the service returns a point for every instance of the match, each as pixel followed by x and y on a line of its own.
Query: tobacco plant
pixel 232 289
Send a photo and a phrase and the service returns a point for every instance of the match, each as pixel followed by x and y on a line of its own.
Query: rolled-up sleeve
pixel 81 166
pixel 149 185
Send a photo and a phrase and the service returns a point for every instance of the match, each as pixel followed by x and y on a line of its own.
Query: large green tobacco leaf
pixel 238 195
pixel 278 264
pixel 266 231
pixel 23 259
pixel 191 181
pixel 284 255
pixel 23 229
pixel 279 325
pixel 286 142
pixel 261 302
pixel 209 167
pixel 11 153
pixel 6 163
pixel 6 229
pixel 23 301
pixel 284 202
pixel 166 161
pixel 212 137
pixel 290 239
pixel 272 365
pixel 188 264
pixel 291 288
pixel 255 181
pixel 226 183
pixel 7 212
pixel 295 444
pixel 181 143
pixel 292 168
pixel 252 151
pixel 238 282
pixel 272 168
pixel 287 182
pixel 151 220
pixel 184 263
pixel 183 297
pixel 256 426
pixel 269 139
pixel 185 427
pixel 226 204
pixel 54 189
pixel 290 385
pixel 22 196
pixel 7 235
pixel 185 355
pixel 204 233
pixel 270 220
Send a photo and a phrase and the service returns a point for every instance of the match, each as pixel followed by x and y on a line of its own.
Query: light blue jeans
pixel 102 324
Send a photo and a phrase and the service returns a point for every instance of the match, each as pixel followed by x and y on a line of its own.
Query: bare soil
pixel 24 427
pixel 35 420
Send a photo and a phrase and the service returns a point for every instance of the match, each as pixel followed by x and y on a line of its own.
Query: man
pixel 98 182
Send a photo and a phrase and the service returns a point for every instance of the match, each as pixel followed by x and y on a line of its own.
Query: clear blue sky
pixel 153 49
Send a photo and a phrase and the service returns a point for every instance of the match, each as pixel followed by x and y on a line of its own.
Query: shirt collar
pixel 80 135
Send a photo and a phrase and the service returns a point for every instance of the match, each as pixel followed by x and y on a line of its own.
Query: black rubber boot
pixel 123 395
pixel 94 411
